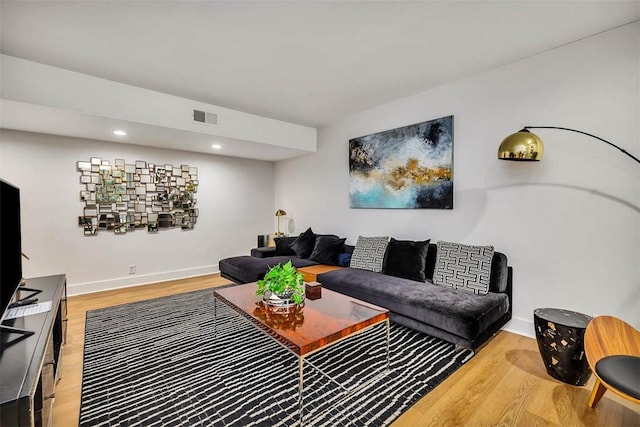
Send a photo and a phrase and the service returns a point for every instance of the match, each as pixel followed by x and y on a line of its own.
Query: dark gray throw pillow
pixel 304 244
pixel 326 249
pixel 406 258
pixel 283 245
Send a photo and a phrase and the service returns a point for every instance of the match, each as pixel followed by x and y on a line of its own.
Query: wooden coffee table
pixel 319 324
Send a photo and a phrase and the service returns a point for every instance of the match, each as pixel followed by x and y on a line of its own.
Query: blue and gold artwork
pixel 410 167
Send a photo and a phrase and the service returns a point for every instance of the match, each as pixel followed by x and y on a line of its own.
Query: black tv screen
pixel 10 243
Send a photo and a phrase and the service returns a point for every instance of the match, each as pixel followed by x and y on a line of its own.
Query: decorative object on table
pixel 560 336
pixel 410 167
pixel 279 213
pixel 282 286
pixel 313 290
pixel 123 197
pixel 612 347
pixel 527 146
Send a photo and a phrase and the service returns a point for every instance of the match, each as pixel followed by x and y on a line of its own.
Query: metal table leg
pixel 388 343
pixel 300 386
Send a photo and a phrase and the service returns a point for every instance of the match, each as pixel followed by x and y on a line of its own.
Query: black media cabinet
pixel 29 364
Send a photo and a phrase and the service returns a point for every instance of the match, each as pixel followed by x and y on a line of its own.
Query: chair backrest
pixel 608 336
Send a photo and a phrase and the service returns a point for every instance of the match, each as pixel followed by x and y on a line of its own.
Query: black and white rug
pixel 158 363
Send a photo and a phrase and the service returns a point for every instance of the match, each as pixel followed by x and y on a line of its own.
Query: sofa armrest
pixel 499 273
pixel 264 252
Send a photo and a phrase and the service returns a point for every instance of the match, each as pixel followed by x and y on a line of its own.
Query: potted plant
pixel 282 286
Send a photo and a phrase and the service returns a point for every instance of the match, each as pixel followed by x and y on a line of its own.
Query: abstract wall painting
pixel 410 167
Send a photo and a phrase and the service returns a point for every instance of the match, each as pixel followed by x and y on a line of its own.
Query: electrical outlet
pixel 132 269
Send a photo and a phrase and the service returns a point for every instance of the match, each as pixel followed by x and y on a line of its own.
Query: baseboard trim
pixel 138 279
pixel 520 326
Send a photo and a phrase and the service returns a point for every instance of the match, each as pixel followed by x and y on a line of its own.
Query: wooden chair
pixel 612 347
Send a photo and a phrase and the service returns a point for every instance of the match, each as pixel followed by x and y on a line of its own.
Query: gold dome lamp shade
pixel 525 145
pixel 521 146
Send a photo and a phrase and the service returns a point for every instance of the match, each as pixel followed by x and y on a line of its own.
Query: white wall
pixel 569 224
pixel 235 201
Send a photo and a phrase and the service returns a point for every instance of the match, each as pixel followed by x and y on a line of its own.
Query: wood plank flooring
pixel 505 384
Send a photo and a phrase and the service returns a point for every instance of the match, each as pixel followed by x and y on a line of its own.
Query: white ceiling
pixel 309 63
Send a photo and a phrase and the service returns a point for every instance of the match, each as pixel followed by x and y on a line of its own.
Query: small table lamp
pixel 279 213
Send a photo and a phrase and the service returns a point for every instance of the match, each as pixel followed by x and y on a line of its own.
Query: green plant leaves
pixel 281 279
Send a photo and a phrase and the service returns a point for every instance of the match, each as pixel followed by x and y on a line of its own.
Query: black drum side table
pixel 560 336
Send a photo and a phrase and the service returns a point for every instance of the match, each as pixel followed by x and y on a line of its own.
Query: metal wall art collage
pixel 122 197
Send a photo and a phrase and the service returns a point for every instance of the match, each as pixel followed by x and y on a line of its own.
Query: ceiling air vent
pixel 204 117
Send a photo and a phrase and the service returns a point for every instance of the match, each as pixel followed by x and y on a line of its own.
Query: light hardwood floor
pixel 505 384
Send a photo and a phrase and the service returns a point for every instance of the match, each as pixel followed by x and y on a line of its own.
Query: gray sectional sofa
pixel 460 317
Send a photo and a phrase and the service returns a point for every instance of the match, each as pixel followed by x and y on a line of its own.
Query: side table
pixel 266 240
pixel 312 272
pixel 560 336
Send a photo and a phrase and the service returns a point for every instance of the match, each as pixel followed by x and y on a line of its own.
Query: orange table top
pixel 319 323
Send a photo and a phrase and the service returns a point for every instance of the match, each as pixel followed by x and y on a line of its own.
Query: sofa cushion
pixel 461 313
pixel 245 269
pixel 499 273
pixel 283 245
pixel 348 249
pixel 326 249
pixel 369 253
pixel 264 252
pixel 304 244
pixel 463 267
pixel 406 258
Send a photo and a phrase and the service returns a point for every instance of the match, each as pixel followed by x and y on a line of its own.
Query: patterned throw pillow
pixel 369 253
pixel 463 267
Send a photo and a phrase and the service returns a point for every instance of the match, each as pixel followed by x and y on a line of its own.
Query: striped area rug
pixel 158 363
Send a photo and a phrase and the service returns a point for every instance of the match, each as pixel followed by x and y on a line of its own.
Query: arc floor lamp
pixel 527 146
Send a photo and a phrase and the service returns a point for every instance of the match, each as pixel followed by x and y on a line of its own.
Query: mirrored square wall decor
pixel 122 197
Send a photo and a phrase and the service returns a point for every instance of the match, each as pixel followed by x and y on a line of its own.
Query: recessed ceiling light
pixel 216 146
pixel 119 133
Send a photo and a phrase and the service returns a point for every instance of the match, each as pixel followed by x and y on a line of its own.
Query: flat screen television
pixel 10 244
